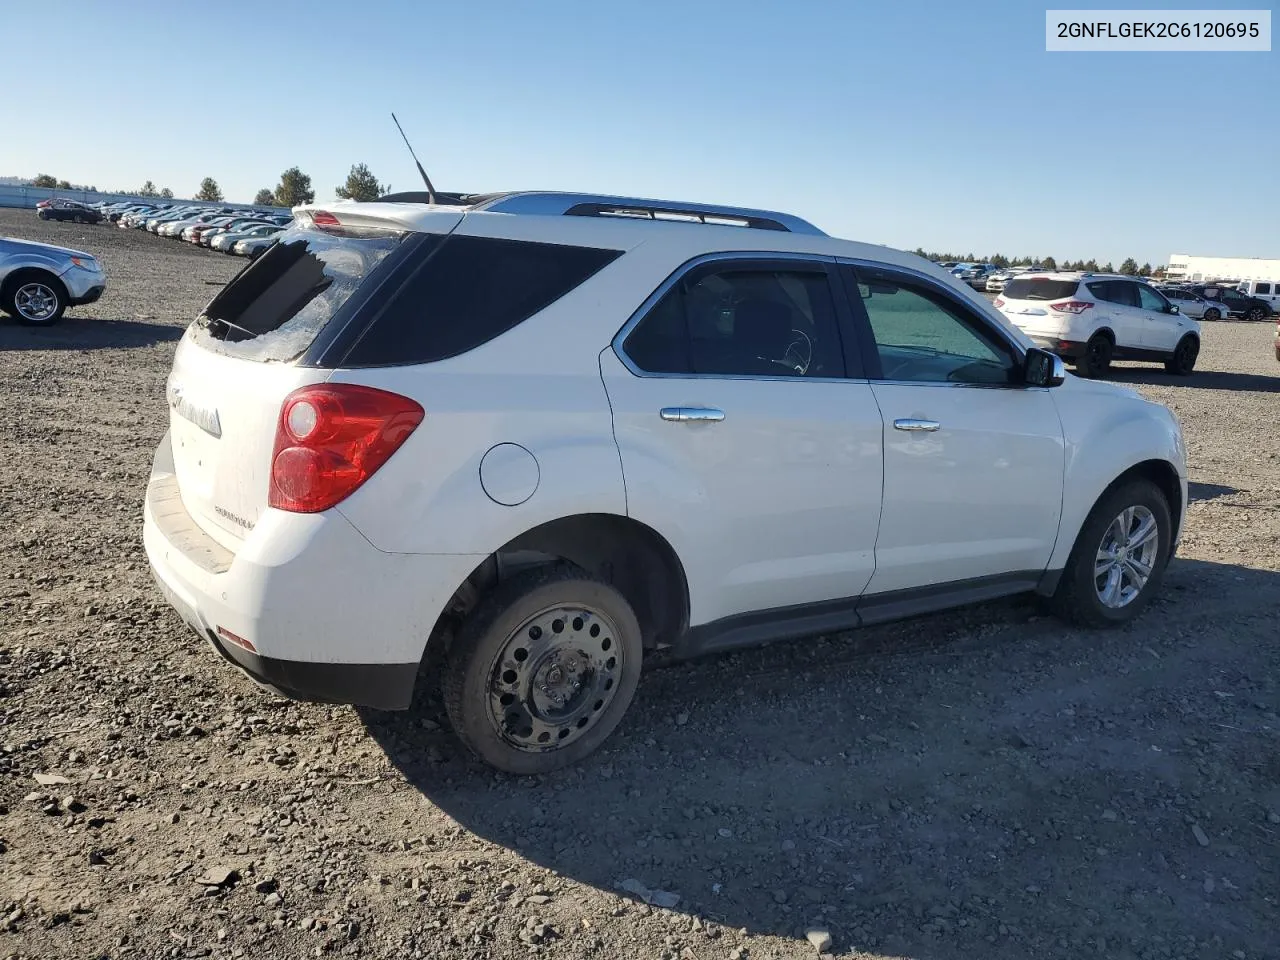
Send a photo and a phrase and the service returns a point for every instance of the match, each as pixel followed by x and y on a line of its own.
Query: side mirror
pixel 1043 369
pixel 1173 308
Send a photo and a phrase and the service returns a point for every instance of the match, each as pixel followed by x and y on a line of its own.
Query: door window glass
pixel 742 321
pixel 922 335
pixel 1149 298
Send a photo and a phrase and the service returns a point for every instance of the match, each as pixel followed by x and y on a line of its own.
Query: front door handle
pixel 687 414
pixel 912 425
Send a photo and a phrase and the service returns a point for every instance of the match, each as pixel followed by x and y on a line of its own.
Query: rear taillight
pixel 331 438
pixel 998 302
pixel 323 218
pixel 1071 306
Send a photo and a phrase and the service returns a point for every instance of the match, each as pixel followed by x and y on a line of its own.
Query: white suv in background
pixel 546 433
pixel 1268 290
pixel 1091 319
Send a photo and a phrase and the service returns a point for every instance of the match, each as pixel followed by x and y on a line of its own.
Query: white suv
pixel 1091 319
pixel 551 432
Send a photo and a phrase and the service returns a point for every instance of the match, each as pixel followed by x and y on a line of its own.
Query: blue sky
pixel 938 124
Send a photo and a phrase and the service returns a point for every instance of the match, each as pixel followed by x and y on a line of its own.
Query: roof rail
pixel 550 204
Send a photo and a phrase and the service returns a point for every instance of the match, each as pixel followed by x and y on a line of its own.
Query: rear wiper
pixel 210 321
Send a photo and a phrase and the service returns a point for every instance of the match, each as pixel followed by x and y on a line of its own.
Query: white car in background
pixel 1091 319
pixel 996 281
pixel 545 433
pixel 1266 290
pixel 227 240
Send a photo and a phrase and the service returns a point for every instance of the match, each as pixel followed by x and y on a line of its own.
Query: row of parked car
pixel 243 232
pixel 1256 300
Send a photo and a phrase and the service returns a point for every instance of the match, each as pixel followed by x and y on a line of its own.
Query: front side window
pixel 1150 299
pixel 1263 288
pixel 923 336
pixel 732 320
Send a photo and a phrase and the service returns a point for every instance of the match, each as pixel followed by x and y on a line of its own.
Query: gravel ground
pixel 986 783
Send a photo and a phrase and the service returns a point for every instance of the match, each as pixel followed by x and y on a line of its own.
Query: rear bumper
pixel 1066 349
pixel 305 605
pixel 384 686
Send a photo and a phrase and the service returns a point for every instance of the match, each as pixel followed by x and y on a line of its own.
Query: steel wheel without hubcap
pixel 35 302
pixel 554 675
pixel 1126 557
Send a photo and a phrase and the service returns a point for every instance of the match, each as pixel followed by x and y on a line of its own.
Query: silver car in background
pixel 39 281
pixel 1193 305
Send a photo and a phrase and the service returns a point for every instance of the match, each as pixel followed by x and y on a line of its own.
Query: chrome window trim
pixel 1018 350
pixel 679 274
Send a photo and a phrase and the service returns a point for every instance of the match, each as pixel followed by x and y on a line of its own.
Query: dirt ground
pixel 987 783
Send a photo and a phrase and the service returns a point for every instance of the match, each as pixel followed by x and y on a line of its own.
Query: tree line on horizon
pixel 1129 267
pixel 293 189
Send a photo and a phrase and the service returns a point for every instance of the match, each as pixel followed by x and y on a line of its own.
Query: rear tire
pixel 1097 356
pixel 1184 356
pixel 543 670
pixel 1104 545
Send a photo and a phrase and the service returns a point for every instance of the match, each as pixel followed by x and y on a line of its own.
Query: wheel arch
pixel 1164 476
pixel 630 555
pixel 32 272
pixel 1154 469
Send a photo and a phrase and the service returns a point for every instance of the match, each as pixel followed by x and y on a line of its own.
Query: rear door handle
pixel 912 425
pixel 687 414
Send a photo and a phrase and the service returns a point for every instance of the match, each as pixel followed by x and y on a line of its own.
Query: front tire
pixel 1213 313
pixel 1257 314
pixel 543 670
pixel 1184 357
pixel 1097 356
pixel 1119 558
pixel 36 301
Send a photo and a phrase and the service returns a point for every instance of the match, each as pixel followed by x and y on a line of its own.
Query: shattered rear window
pixel 274 309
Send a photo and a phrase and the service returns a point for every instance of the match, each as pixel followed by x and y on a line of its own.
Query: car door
pixel 748 436
pixel 1162 329
pixel 973 458
pixel 1120 306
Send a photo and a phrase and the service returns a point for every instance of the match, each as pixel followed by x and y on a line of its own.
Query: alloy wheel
pixel 1126 558
pixel 35 302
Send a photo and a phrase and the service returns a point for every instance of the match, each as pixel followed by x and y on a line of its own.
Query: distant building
pixel 1183 266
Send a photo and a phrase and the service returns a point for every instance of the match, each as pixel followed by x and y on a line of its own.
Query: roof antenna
pixel 431 191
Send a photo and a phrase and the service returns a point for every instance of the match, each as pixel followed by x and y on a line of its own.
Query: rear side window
pixel 276 307
pixel 1115 291
pixel 469 291
pixel 1040 288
